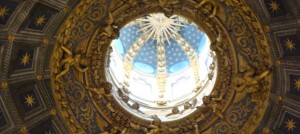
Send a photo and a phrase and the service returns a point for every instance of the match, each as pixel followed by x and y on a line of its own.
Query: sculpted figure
pixel 105 89
pixel 175 110
pixel 212 102
pixel 109 29
pixel 167 5
pixel 211 75
pixel 69 60
pixel 157 128
pixel 214 4
pixel 138 127
pixel 155 125
pixel 194 103
pixel 217 95
pixel 249 81
pixel 154 129
pixel 216 45
pixel 186 106
pixel 212 66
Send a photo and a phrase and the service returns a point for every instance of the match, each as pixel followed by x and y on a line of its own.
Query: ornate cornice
pixel 237 101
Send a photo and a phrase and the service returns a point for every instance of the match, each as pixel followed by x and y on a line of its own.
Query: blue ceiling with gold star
pixel 6 10
pixel 39 17
pixel 145 60
pixel 294 84
pixel 290 124
pixel 275 8
pixel 290 45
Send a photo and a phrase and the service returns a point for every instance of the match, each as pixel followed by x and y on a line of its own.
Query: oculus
pixel 163 66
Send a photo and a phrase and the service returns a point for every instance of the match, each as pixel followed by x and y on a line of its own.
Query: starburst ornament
pixel 289 44
pixel 290 124
pixel 25 59
pixel 297 84
pixel 161 28
pixel 274 6
pixel 3 11
pixel 40 20
pixel 29 100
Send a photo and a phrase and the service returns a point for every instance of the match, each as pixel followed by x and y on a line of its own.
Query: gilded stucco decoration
pixel 87 104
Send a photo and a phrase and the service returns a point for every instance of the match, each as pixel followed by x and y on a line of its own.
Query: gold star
pixel 289 44
pixel 29 100
pixel 40 20
pixel 297 84
pixel 290 124
pixel 3 11
pixel 25 59
pixel 274 6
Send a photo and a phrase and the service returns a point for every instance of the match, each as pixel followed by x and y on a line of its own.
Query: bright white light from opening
pixel 180 85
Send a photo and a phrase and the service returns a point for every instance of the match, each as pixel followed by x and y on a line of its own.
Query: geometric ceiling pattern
pixel 174 53
pixel 28 33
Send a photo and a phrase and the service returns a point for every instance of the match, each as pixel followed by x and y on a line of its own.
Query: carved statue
pixel 249 81
pixel 110 28
pixel 217 95
pixel 105 89
pixel 212 66
pixel 157 128
pixel 211 75
pixel 135 106
pixel 194 103
pixel 212 102
pixel 154 129
pixel 69 60
pixel 138 127
pixel 175 111
pixel 216 45
pixel 167 5
pixel 155 125
pixel 213 4
pixel 186 106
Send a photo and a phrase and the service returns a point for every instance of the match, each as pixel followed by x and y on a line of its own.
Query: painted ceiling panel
pixel 128 35
pixel 288 44
pixel 6 9
pixel 193 36
pixel 275 7
pixel 147 54
pixel 174 54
